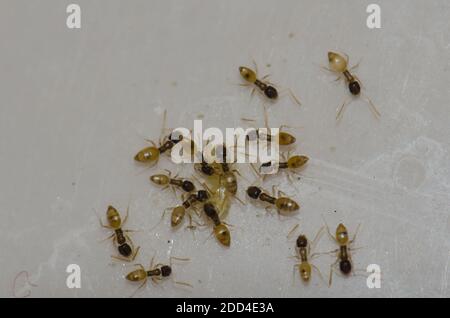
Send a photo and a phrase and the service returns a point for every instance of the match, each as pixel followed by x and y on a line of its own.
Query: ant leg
pixel 103 225
pixel 162 218
pixel 372 107
pixel 255 65
pixel 317 237
pixel 328 230
pixel 355 66
pixel 331 272
pixel 356 232
pixel 292 230
pixel 293 273
pixel 292 95
pixel 318 271
pixel 108 238
pixel 136 250
pixel 183 284
pixel 340 110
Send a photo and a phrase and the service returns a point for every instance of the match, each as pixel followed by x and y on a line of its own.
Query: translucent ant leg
pixel 331 272
pixel 292 230
pixel 317 237
pixel 340 110
pixel 292 95
pixel 107 238
pixel 372 107
pixel 136 250
pixel 328 230
pixel 318 271
pixel 354 236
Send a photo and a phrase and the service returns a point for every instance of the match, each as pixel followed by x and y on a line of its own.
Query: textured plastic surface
pixel 75 106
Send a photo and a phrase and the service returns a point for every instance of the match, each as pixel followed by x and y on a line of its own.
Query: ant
pixel 151 154
pixel 303 248
pixel 339 64
pixel 127 252
pixel 290 163
pixel 343 252
pixel 156 273
pixel 167 181
pixel 283 138
pixel 267 88
pixel 221 231
pixel 179 211
pixel 282 203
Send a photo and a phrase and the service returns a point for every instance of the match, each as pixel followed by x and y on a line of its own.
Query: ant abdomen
pixel 286 205
pixel 125 250
pixel 146 155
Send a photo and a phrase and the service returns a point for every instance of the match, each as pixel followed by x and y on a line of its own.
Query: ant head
pixel 202 195
pixel 166 271
pixel 271 92
pixel 175 137
pixel 354 88
pixel 188 186
pixel 247 74
pixel 254 192
pixel 302 241
pixel 345 266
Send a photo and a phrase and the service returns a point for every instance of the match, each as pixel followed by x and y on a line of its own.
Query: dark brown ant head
pixel 175 137
pixel 354 87
pixel 253 192
pixel 271 92
pixel 266 164
pixel 345 266
pixel 166 271
pixel 302 241
pixel 125 250
pixel 207 169
pixel 202 195
pixel 188 186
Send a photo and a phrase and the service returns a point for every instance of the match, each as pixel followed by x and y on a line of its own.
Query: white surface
pixel 75 106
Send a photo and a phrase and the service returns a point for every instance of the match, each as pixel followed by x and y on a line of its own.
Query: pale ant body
pixel 166 180
pixel 266 88
pixel 303 248
pixel 284 138
pixel 282 203
pixel 124 244
pixel 156 273
pixel 339 64
pixel 343 252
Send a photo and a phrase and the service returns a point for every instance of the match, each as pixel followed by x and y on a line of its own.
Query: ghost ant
pixel 220 230
pixel 281 202
pixel 156 273
pixel 283 138
pixel 338 64
pixel 166 143
pixel 265 87
pixel 166 180
pixel 127 251
pixel 290 163
pixel 343 252
pixel 303 248
pixel 189 202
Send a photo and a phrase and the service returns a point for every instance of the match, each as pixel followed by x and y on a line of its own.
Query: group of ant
pixel 219 184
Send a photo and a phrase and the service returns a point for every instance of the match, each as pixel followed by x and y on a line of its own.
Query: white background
pixel 75 106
